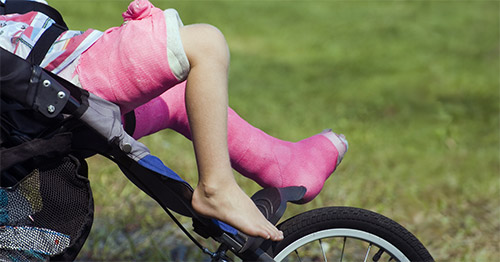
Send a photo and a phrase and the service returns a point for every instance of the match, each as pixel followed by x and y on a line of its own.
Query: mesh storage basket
pixel 48 214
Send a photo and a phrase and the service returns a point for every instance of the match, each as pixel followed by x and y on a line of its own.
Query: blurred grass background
pixel 414 85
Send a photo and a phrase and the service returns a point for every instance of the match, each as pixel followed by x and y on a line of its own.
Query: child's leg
pixel 217 194
pixel 267 160
pixel 130 65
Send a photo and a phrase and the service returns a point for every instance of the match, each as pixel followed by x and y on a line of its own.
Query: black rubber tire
pixel 354 219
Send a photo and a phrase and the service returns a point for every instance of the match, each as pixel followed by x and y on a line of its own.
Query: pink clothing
pixel 129 64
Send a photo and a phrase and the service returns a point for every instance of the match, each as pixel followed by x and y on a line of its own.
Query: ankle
pixel 216 176
pixel 206 191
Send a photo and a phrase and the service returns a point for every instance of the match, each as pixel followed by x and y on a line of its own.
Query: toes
pixel 274 233
pixel 279 236
pixel 269 232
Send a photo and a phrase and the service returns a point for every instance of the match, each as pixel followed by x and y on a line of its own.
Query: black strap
pixel 58 144
pixel 2 8
pixel 129 124
pixel 23 7
pixel 43 44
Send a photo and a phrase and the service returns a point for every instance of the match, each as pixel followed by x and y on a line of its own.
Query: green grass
pixel 414 85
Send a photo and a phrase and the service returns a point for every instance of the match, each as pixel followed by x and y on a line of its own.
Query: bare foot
pixel 228 203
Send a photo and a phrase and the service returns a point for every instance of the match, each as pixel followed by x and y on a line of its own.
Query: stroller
pixel 49 127
pixel 46 205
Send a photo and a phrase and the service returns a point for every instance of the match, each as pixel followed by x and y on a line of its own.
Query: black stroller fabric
pixel 46 205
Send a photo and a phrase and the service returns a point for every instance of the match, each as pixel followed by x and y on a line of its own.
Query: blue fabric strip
pixel 154 163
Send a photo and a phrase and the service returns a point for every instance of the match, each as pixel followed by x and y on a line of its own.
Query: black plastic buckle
pixel 272 203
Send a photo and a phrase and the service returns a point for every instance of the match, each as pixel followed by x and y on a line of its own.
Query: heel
pixel 339 141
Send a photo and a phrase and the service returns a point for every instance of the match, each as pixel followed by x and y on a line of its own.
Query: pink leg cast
pixel 273 162
pixel 269 161
pixel 129 64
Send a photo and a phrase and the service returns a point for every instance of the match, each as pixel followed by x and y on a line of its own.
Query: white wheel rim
pixel 342 232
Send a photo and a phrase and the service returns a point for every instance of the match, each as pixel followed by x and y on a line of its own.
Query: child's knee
pixel 204 43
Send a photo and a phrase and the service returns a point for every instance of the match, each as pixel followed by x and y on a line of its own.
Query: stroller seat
pixel 48 128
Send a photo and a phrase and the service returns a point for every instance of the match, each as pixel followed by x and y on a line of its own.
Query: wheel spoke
pixel 298 256
pixel 368 252
pixel 343 248
pixel 378 255
pixel 322 250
